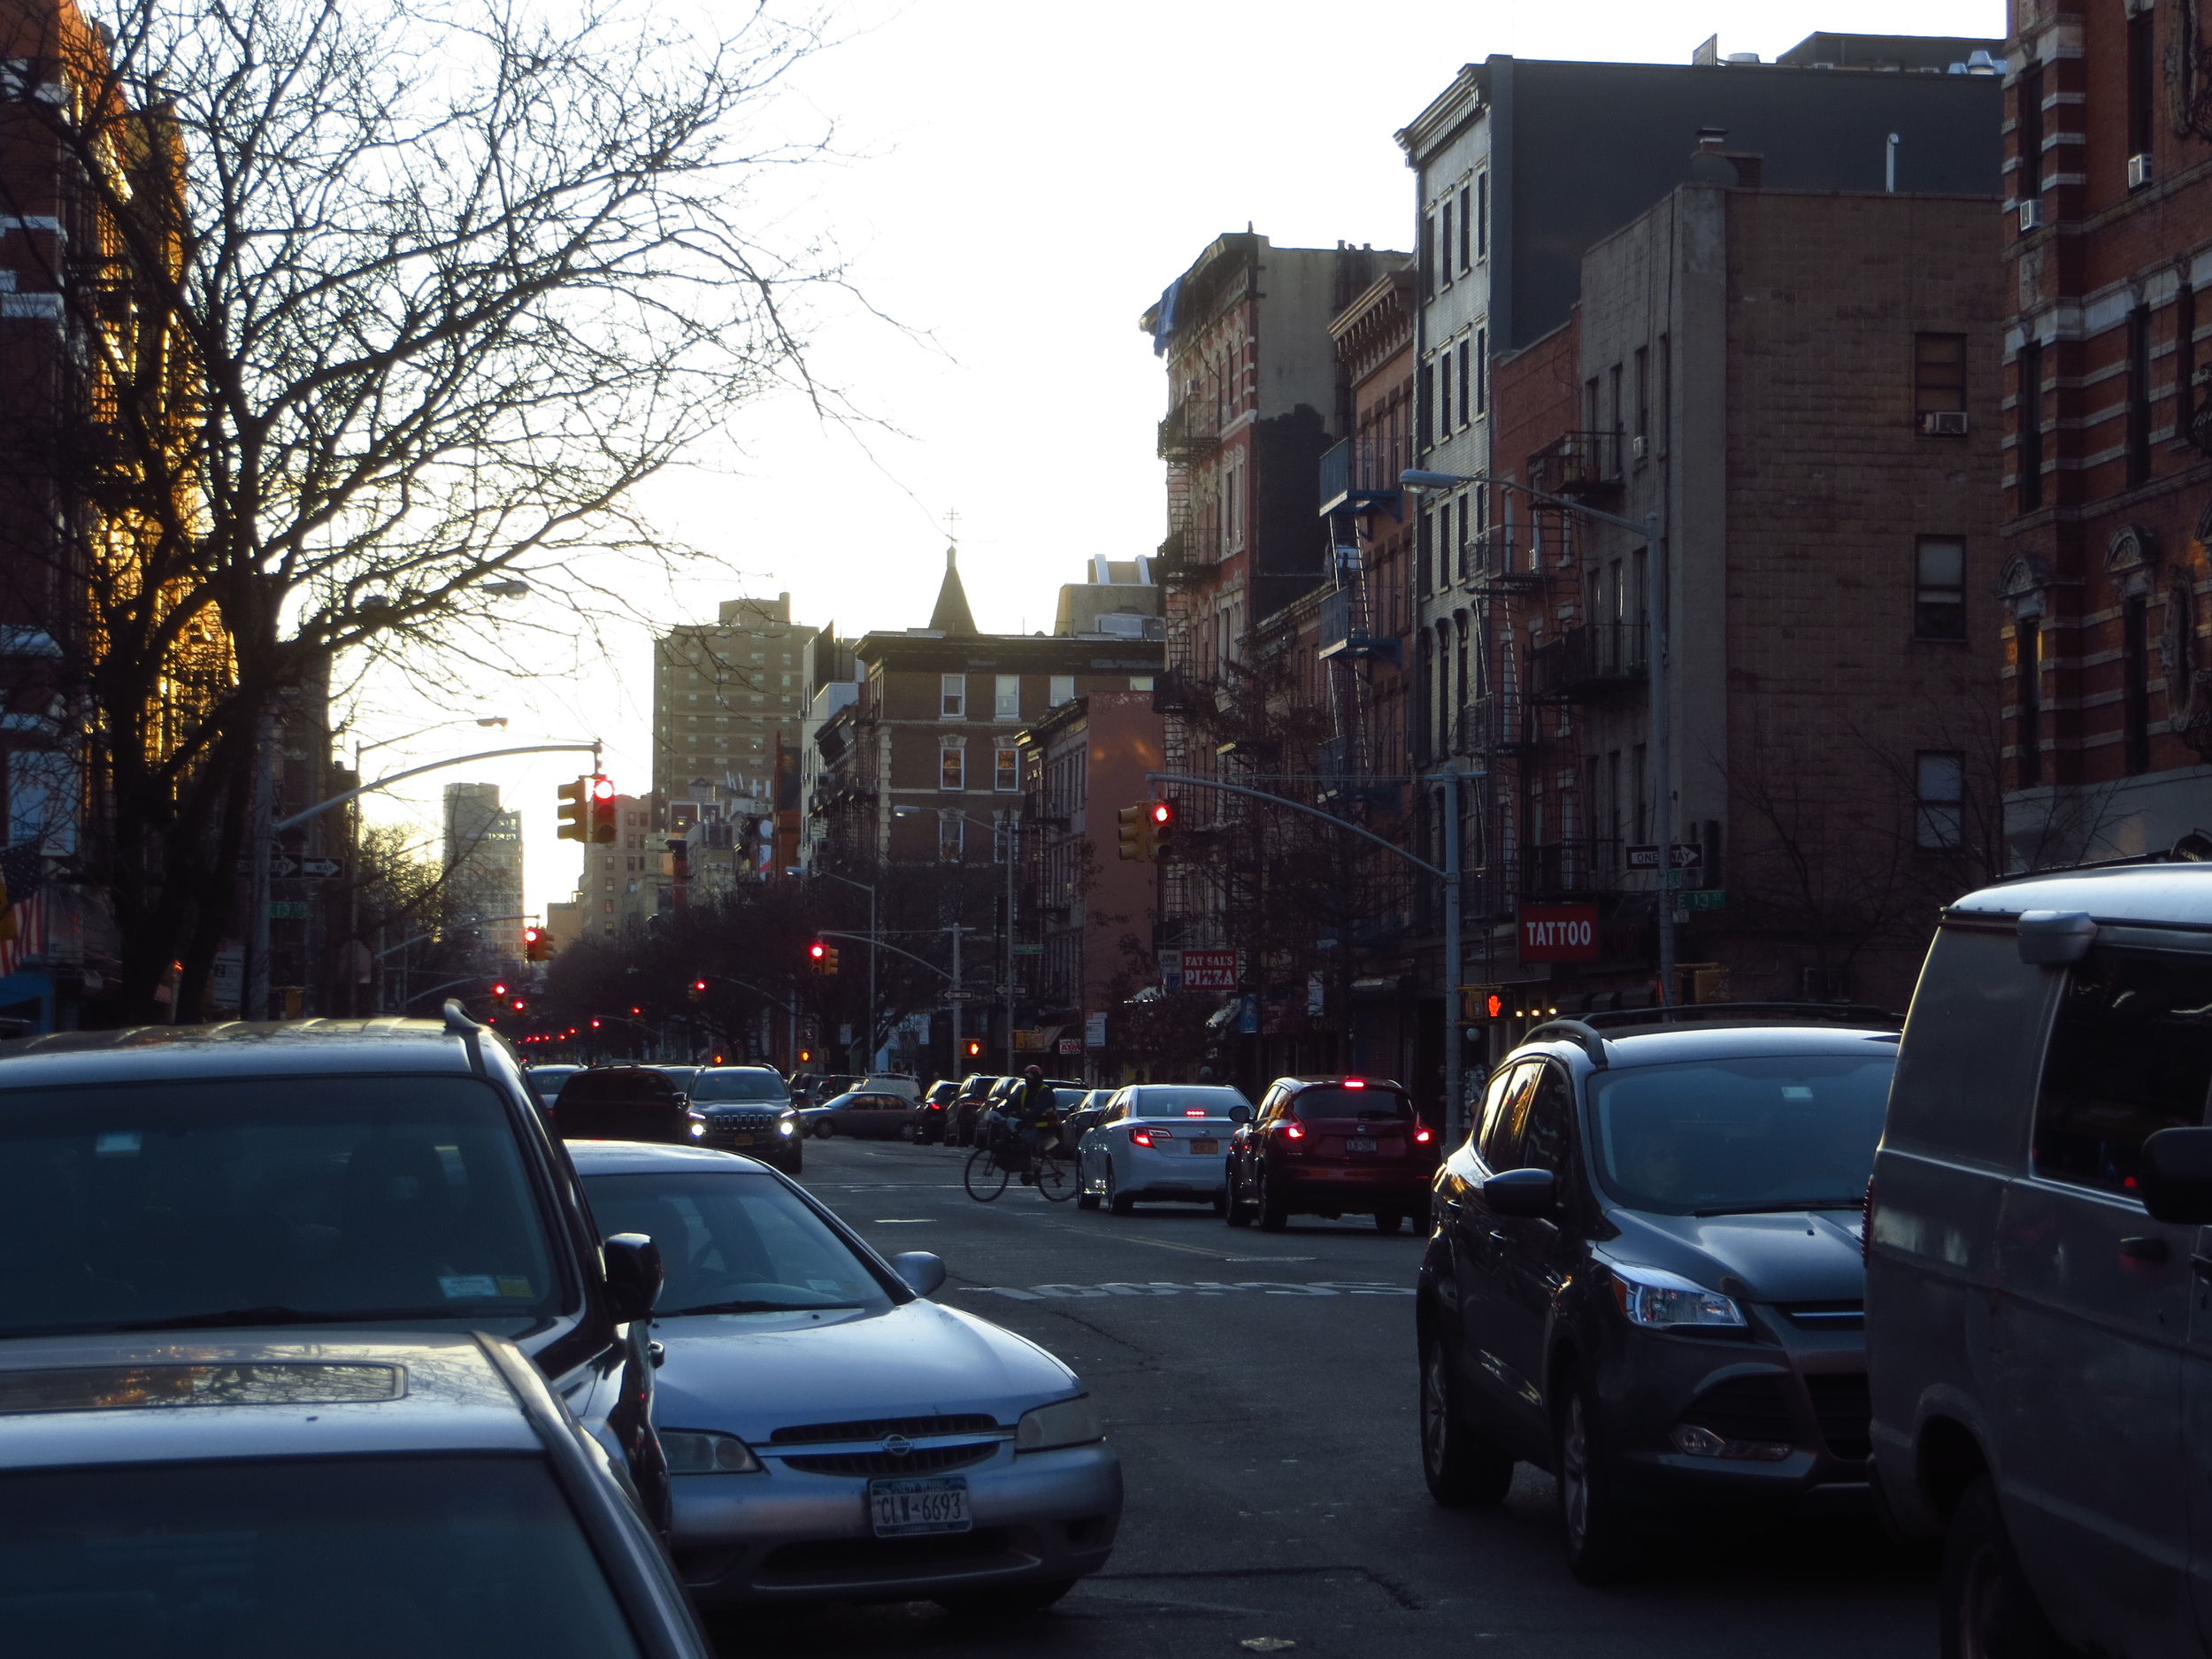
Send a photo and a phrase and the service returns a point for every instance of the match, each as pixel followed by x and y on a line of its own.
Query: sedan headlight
pixel 1069 1423
pixel 691 1453
pixel 1653 1297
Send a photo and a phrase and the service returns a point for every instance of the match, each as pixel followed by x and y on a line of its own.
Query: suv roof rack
pixel 1724 1013
pixel 1580 1032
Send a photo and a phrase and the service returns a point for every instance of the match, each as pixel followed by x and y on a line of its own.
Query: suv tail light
pixel 1421 1137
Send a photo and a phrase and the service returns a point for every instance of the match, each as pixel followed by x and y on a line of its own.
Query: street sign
pixel 287 909
pixel 1209 969
pixel 1559 933
pixel 284 867
pixel 1688 856
pixel 1093 1031
pixel 1704 899
pixel 1029 950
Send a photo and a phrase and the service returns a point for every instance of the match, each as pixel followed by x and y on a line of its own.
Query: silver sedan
pixel 1158 1141
pixel 832 1434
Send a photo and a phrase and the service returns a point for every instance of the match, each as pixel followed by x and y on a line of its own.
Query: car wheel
pixel 1221 1203
pixel 823 1129
pixel 1238 1214
pixel 1462 1468
pixel 907 1135
pixel 1988 1610
pixel 1017 1598
pixel 1600 1528
pixel 1119 1204
pixel 1387 1221
pixel 1273 1216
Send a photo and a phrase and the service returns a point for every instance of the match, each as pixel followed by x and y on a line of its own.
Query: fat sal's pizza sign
pixel 1559 933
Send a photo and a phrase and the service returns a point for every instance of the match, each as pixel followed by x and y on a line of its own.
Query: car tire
pixel 1989 1611
pixel 1463 1469
pixel 1274 1217
pixel 1118 1203
pixel 1221 1203
pixel 1388 1221
pixel 823 1129
pixel 1237 1214
pixel 1015 1598
pixel 1601 1531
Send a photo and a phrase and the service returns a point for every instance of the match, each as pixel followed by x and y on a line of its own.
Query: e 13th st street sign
pixel 1559 933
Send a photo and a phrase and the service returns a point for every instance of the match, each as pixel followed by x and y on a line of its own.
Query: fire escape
pixel 1188 436
pixel 1359 479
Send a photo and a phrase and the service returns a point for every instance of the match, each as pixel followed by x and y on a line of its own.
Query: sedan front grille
pixel 922 1460
pixel 882 1428
pixel 1846 1411
pixel 1753 1409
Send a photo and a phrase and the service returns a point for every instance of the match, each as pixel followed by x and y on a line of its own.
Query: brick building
pixel 2109 220
pixel 726 695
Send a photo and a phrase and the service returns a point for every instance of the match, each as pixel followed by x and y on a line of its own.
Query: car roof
pixel 1306 1080
pixel 630 1157
pixel 238 1048
pixel 1661 1045
pixel 768 1068
pixel 314 1393
pixel 2170 895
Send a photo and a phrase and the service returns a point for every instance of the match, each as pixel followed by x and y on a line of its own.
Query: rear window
pixel 387 1200
pixel 1170 1103
pixel 1329 1105
pixel 441 1556
pixel 737 1084
pixel 588 1088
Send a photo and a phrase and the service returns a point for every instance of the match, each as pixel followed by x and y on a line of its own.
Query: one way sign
pixel 284 867
pixel 1688 856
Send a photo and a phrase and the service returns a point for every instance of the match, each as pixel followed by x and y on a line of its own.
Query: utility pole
pixel 958 994
pixel 1012 826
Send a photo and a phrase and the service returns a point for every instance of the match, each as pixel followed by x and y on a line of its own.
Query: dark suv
pixel 1328 1147
pixel 748 1109
pixel 1645 1274
pixel 331 1175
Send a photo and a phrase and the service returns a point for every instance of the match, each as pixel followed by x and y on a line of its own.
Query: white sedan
pixel 1159 1141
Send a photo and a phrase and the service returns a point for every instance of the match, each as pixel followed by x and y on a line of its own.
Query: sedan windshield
pixel 427 1557
pixel 173 1205
pixel 1716 1137
pixel 735 1243
pixel 738 1085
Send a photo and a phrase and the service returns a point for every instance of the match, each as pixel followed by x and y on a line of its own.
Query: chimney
pixel 1712 162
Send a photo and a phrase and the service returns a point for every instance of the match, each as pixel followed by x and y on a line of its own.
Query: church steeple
pixel 952 615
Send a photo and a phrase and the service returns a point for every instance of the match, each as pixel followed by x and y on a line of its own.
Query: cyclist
pixel 1030 1114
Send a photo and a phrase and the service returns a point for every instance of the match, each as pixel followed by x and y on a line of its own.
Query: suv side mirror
pixel 922 1270
pixel 2176 1176
pixel 1239 1113
pixel 1522 1192
pixel 633 1276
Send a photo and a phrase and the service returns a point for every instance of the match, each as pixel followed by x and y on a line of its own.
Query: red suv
pixel 1331 1146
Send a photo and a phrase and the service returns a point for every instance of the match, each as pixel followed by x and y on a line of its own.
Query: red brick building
pixel 2108 677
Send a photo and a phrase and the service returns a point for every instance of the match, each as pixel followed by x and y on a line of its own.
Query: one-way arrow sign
pixel 284 867
pixel 1688 856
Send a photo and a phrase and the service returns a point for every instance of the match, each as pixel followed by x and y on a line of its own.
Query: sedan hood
pixel 918 1360
pixel 1799 1255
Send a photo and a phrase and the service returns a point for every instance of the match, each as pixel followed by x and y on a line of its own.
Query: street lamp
pixel 1011 825
pixel 1662 715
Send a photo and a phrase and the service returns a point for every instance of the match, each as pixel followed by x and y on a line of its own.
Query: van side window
pixel 1500 1144
pixel 2130 1053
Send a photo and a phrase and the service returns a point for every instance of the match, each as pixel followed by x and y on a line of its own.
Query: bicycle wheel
pixel 1054 1181
pixel 984 1177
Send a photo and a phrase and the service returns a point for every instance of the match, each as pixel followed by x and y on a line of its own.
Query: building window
pixel 1444 390
pixel 952 767
pixel 1481 369
pixel 1422 434
pixel 2029 406
pixel 2028 132
pixel 1466 228
pixel 1444 242
pixel 1062 690
pixel 2135 710
pixel 1444 544
pixel 1939 376
pixel 2028 692
pixel 1466 543
pixel 952 835
pixel 1643 393
pixel 1428 254
pixel 1466 380
pixel 952 696
pixel 2142 77
pixel 1006 771
pixel 1666 394
pixel 2184 359
pixel 1423 537
pixel 2138 433
pixel 1482 215
pixel 1643 805
pixel 1941 810
pixel 1006 698
pixel 1938 608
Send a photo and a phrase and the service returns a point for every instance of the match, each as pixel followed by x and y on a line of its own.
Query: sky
pixel 1012 185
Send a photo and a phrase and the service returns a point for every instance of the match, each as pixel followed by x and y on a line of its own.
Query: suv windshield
pixel 1712 1137
pixel 171 1205
pixel 734 1244
pixel 1319 1105
pixel 738 1083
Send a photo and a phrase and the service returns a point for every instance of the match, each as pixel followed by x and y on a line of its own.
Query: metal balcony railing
pixel 1344 629
pixel 1594 660
pixel 1500 724
pixel 1175 691
pixel 1577 465
pixel 1192 428
pixel 1361 474
pixel 1563 869
pixel 1179 560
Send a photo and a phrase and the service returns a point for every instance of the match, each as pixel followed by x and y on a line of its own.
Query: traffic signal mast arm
pixel 1310 811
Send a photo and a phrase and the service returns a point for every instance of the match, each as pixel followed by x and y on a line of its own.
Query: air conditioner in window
pixel 2139 170
pixel 1943 423
pixel 1639 447
pixel 2030 215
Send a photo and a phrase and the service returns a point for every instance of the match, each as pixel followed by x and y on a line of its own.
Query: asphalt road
pixel 1260 1389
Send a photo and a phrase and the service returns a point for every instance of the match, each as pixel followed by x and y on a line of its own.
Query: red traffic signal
pixel 603 812
pixel 1161 816
pixel 520 1005
pixel 535 945
pixel 594 1025
pixel 499 990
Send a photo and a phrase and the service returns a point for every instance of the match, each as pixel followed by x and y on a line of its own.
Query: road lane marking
pixel 1199 1288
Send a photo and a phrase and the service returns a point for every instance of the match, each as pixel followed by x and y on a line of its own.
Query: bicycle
pixel 993 1166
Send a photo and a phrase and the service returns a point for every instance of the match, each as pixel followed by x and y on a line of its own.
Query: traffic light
pixel 535 945
pixel 1136 833
pixel 698 992
pixel 594 1025
pixel 521 1006
pixel 975 1049
pixel 573 828
pixel 824 956
pixel 603 812
pixel 500 989
pixel 1161 817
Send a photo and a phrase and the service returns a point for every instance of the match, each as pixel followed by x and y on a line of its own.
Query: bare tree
pixel 374 304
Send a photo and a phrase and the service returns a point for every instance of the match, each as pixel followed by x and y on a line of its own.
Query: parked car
pixel 414 1493
pixel 933 1117
pixel 852 1439
pixel 339 1176
pixel 1645 1270
pixel 545 1081
pixel 1085 1114
pixel 827 1087
pixel 626 1103
pixel 970 1103
pixel 1329 1147
pixel 1158 1141
pixel 863 1117
pixel 2036 1290
pixel 681 1076
pixel 891 1083
pixel 748 1109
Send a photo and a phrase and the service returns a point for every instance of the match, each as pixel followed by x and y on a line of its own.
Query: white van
pixel 2039 1313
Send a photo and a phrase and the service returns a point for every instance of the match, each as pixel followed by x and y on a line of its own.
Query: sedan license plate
pixel 741 1140
pixel 1360 1143
pixel 1205 1149
pixel 901 1509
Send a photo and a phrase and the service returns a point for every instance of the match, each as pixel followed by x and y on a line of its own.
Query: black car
pixel 626 1103
pixel 934 1116
pixel 749 1108
pixel 331 1175
pixel 1645 1274
pixel 972 1101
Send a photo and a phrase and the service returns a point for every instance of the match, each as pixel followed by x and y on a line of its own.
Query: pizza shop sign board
pixel 1559 933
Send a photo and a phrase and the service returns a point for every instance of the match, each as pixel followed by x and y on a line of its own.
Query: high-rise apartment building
pixel 483 866
pixel 624 879
pixel 726 695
